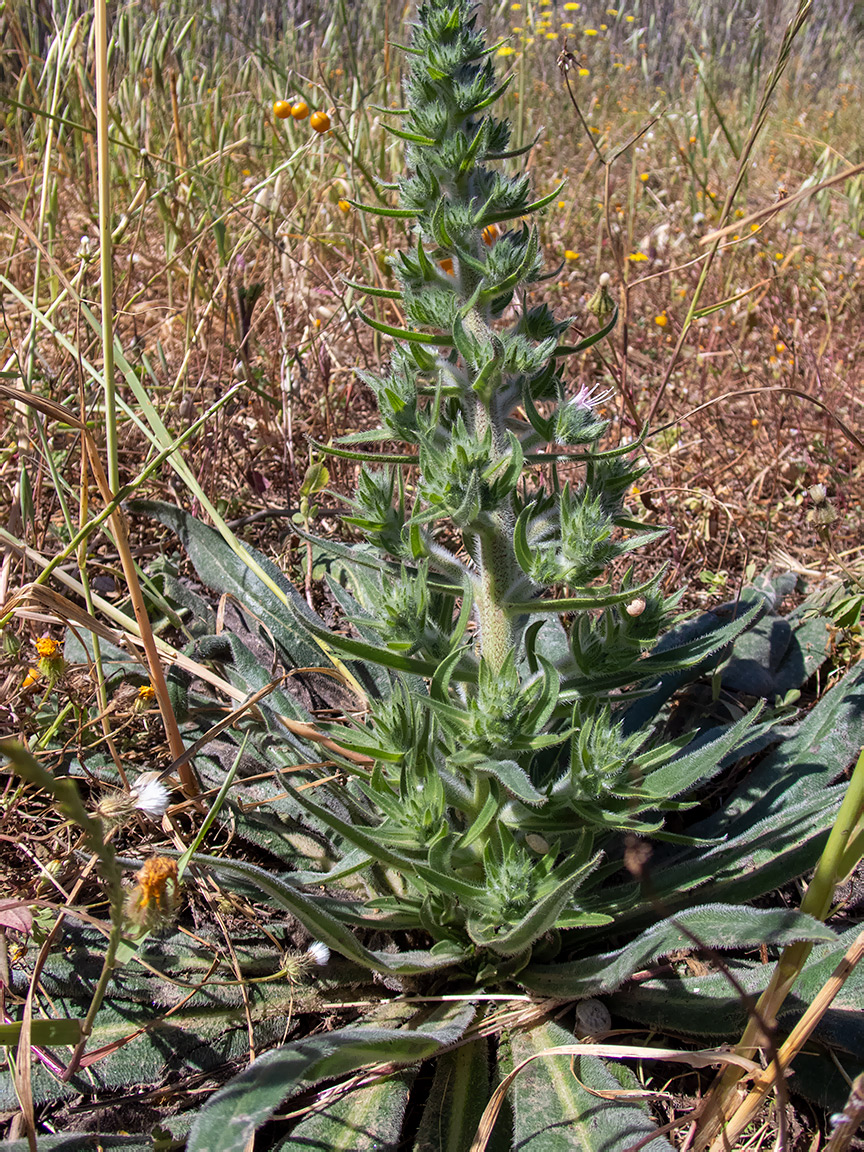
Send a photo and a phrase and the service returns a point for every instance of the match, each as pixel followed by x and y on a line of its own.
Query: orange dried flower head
pixel 154 899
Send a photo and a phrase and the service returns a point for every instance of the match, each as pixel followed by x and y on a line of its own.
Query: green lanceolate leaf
pixel 442 341
pixel 542 916
pixel 220 569
pixel 589 342
pixel 373 290
pixel 602 599
pixel 689 769
pixel 326 927
pixel 720 926
pixel 377 210
pixel 230 1118
pixel 367 1119
pixel 456 1100
pixel 488 218
pixel 556 1106
pixel 709 1005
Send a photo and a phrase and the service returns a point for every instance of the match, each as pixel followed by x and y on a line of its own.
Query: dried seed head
pixel 153 901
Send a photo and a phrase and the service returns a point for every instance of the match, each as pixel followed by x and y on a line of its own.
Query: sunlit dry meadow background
pixel 233 230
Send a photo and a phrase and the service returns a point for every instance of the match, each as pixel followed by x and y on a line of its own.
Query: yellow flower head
pixel 144 699
pixel 505 50
pixel 571 255
pixel 51 663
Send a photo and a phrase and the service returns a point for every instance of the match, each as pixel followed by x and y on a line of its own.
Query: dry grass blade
pixel 211 733
pixel 57 411
pixel 68 611
pixel 23 1069
pixel 799 1035
pixel 765 214
pixel 794 27
pixel 703 1058
pixel 849 1120
pixel 847 431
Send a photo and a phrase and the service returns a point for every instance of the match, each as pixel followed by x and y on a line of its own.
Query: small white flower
pixel 150 795
pixel 319 952
pixel 592 397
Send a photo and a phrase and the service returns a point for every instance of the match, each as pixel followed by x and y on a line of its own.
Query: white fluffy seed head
pixel 319 952
pixel 150 795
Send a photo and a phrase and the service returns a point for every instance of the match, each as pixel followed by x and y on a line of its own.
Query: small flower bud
pixel 11 643
pixel 635 607
pixel 601 303
pixel 818 493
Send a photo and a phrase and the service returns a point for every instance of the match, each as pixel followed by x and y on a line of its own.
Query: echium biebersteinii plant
pixel 503 758
pixel 497 779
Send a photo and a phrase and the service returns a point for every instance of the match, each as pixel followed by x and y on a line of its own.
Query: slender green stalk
pixel 106 243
